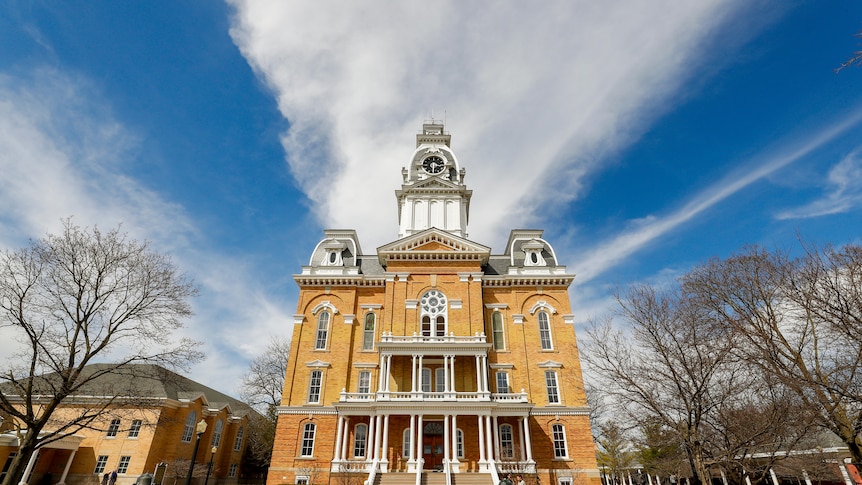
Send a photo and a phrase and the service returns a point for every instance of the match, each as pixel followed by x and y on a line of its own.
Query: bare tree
pixel 262 386
pixel 855 59
pixel 799 319
pixel 71 300
pixel 673 366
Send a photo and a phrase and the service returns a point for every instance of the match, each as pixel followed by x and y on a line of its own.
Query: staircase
pixel 434 478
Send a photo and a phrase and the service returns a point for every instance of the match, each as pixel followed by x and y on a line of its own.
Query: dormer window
pixel 334 249
pixel 533 253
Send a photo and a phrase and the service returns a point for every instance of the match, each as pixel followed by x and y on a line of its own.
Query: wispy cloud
pixel 535 97
pixel 610 253
pixel 844 184
pixel 62 153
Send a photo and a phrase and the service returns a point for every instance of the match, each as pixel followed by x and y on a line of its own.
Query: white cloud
pixel 63 154
pixel 607 254
pixel 844 183
pixel 534 95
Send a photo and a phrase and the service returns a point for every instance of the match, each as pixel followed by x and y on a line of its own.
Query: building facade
pixel 433 357
pixel 153 430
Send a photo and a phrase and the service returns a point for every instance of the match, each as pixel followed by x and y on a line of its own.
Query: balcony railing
pixel 478 338
pixel 512 397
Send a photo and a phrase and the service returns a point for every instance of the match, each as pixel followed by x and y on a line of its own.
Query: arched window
pixel 216 439
pixel 322 330
pixel 189 428
pixel 507 444
pixel 434 309
pixel 360 438
pixel 545 331
pixel 368 332
pixel 237 442
pixel 440 379
pixel 405 444
pixel 559 437
pixel 497 330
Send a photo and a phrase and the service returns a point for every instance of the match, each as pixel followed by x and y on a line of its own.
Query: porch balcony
pixel 419 396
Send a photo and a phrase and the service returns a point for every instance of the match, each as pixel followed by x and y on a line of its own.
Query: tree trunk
pixel 16 469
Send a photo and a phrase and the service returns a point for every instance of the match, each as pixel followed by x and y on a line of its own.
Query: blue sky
pixel 643 136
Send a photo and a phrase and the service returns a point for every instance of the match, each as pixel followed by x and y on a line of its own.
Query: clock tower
pixel 433 193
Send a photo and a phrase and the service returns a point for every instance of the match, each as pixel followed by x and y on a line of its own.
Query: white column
pixel 29 469
pixel 447 441
pixel 338 437
pixel 66 469
pixel 378 437
pixel 344 438
pixel 529 440
pixel 419 438
pixel 415 374
pixel 478 374
pixel 806 477
pixel 385 445
pixel 419 388
pixel 412 437
pixel 484 373
pixel 369 438
pixel 447 373
pixel 774 478
pixel 452 374
pixel 482 439
pixel 497 454
pixel 388 371
pixel 523 439
pixel 489 437
pixel 382 373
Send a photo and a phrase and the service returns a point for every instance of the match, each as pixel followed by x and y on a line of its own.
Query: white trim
pixel 550 364
pixel 348 318
pixel 371 306
pixel 496 306
pixel 542 304
pixel 517 319
pixel 411 304
pixel 322 305
pixel 318 364
pixel 298 319
pixel 569 319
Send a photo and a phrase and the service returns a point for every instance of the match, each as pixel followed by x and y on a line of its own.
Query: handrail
pixel 478 337
pixel 420 464
pixel 372 475
pixel 448 470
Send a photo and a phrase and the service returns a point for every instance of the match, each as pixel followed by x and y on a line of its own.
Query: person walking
pixel 113 478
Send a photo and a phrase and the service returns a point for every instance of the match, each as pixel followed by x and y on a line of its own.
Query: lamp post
pixel 210 466
pixel 199 429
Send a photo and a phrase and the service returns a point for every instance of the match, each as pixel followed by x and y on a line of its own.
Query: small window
pixel 360 437
pixel 314 387
pixel 551 384
pixel 559 436
pixel 405 444
pixel 135 429
pixel 322 331
pixel 123 466
pixel 440 379
pixel 8 464
pixel 216 439
pixel 545 331
pixel 301 480
pixel 101 463
pixel 189 428
pixel 237 442
pixel 564 481
pixel 459 443
pixel 232 472
pixel 507 444
pixel 364 382
pixel 307 448
pixel 113 428
pixel 503 382
pixel 368 332
pixel 497 330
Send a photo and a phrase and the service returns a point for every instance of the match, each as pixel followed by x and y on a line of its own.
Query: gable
pixel 433 245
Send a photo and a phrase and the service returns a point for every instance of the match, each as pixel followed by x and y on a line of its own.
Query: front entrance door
pixel 432 445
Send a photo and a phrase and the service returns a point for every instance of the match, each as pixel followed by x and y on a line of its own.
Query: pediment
pixel 433 244
pixel 436 183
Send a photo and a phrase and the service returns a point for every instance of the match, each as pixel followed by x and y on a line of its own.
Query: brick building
pixel 433 360
pixel 152 422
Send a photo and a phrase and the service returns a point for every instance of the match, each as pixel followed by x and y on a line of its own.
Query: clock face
pixel 433 164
